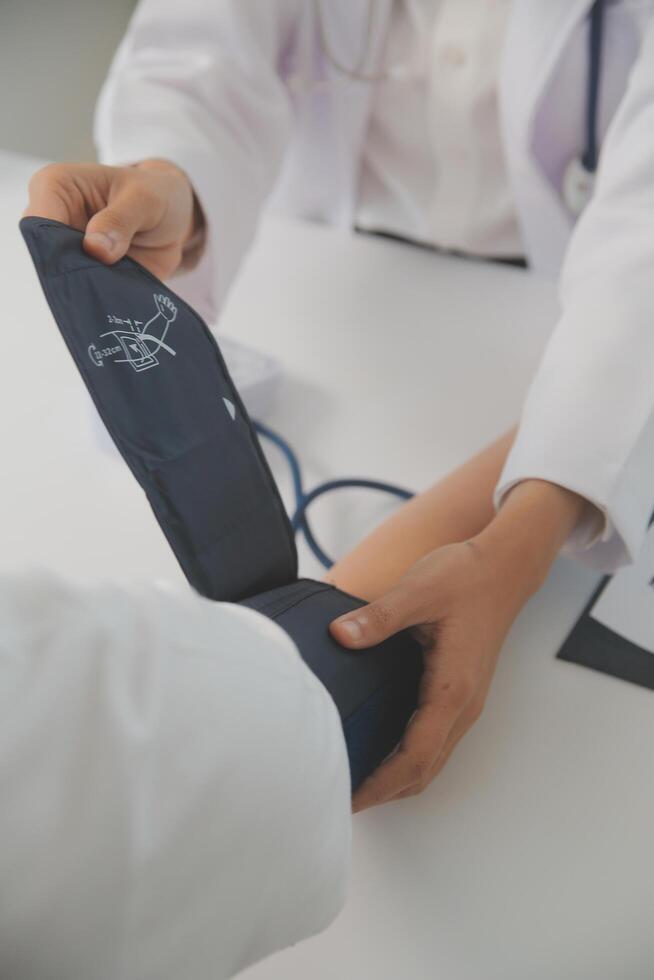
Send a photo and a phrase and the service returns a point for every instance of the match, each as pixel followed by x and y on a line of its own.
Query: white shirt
pixel 433 167
pixel 174 786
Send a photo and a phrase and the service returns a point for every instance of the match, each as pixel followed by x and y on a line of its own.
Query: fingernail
pixel 106 241
pixel 352 628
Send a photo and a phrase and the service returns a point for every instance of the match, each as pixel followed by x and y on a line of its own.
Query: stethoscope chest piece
pixel 578 186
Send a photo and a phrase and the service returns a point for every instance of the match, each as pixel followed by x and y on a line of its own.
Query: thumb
pixel 375 622
pixel 109 233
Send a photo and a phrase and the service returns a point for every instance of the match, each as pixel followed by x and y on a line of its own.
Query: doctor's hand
pixel 147 211
pixel 460 601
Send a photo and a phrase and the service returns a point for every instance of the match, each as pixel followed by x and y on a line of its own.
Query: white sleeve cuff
pixel 613 526
pixel 593 527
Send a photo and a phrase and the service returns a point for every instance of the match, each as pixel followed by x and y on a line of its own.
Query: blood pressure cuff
pixel 375 690
pixel 161 386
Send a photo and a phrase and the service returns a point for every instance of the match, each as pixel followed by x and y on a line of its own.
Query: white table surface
pixel 531 857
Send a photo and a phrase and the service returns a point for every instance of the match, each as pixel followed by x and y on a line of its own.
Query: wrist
pixel 194 245
pixel 164 167
pixel 527 533
pixel 193 240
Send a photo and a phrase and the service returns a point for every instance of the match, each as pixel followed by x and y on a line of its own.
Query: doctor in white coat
pixel 460 124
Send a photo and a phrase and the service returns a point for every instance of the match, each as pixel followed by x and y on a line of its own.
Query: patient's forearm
pixel 454 509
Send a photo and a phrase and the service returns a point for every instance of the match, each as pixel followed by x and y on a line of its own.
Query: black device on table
pixel 160 384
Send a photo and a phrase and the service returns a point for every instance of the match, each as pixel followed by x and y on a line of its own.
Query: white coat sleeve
pixel 588 421
pixel 173 782
pixel 200 83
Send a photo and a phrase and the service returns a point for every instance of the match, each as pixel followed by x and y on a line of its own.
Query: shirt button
pixel 454 55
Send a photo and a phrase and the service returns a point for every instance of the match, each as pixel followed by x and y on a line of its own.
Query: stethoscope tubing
pixel 595 38
pixel 299 520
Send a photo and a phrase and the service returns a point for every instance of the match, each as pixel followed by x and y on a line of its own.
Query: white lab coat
pixel 222 88
pixel 174 786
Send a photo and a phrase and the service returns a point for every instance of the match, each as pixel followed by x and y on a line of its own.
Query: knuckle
pixel 418 787
pixel 372 794
pixel 419 772
pixel 51 174
pixel 477 709
pixel 459 693
pixel 424 783
pixel 116 219
pixel 140 182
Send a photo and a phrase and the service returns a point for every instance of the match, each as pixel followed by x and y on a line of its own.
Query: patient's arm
pixel 454 509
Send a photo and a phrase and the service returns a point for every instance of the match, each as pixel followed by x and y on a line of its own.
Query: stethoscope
pixel 579 175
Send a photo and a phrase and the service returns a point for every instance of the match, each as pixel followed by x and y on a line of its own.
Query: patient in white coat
pixel 174 784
